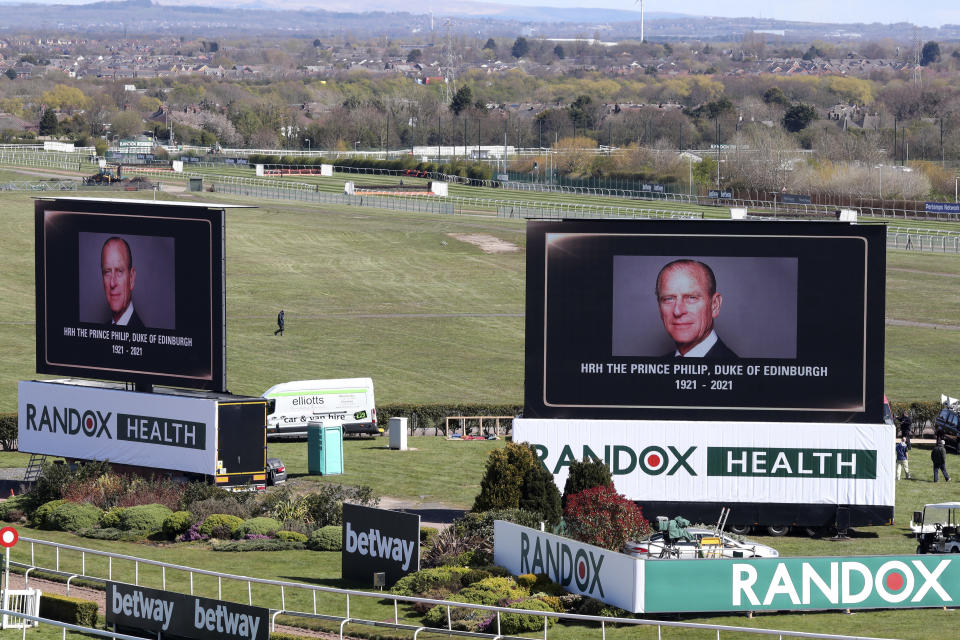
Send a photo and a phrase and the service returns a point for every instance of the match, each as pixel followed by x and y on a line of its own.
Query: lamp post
pixel 880 167
pixel 307 140
pixel 356 146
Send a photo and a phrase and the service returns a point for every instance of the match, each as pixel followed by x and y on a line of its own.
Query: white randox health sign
pixel 608 576
pixel 725 462
pixel 125 427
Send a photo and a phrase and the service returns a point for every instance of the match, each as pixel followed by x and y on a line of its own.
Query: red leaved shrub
pixel 600 516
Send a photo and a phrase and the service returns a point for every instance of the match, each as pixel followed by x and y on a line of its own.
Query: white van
pixel 347 401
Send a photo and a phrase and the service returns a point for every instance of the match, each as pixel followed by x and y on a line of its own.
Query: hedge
pixel 8 431
pixel 149 517
pixel 70 610
pixel 73 516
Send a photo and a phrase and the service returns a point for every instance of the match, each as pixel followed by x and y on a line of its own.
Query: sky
pixel 928 13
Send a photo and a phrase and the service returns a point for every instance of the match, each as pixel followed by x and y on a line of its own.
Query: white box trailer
pixel 345 401
pixel 772 475
pixel 213 436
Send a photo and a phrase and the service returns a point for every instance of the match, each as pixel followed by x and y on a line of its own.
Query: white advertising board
pixel 123 427
pixel 608 576
pixel 326 170
pixel 726 462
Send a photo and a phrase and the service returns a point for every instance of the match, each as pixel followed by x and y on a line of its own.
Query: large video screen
pixel 130 290
pixel 700 320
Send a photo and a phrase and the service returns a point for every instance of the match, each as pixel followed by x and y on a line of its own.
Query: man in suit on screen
pixel 119 277
pixel 689 303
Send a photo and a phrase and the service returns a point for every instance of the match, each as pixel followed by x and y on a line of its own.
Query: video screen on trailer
pixel 722 320
pixel 130 291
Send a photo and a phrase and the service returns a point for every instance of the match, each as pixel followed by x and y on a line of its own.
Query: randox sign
pixel 868 582
pixel 608 576
pixel 184 616
pixel 726 463
pixel 376 540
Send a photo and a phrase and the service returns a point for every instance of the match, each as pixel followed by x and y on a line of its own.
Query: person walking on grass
pixel 279 324
pixel 903 465
pixel 939 457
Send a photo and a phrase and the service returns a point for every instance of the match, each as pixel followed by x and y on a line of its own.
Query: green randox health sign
pixel 781 462
pixel 868 582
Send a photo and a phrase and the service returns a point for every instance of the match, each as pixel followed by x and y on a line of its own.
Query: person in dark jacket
pixel 280 323
pixel 903 462
pixel 939 457
pixel 906 427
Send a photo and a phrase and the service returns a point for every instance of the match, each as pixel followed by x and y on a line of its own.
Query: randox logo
pixel 562 564
pixel 69 420
pixel 652 460
pixel 841 583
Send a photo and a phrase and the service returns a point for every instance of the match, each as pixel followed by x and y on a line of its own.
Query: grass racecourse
pixel 431 317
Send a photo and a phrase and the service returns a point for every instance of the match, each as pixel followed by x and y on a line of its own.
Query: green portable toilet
pixel 324 449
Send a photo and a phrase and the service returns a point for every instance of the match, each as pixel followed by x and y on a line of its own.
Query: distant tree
pixel 461 100
pixel 520 47
pixel 11 73
pixel 775 95
pixel 929 53
pixel 490 44
pixel 414 56
pixel 558 51
pixel 718 107
pixel 812 53
pixel 317 43
pixel 48 123
pixel 582 112
pixel 798 117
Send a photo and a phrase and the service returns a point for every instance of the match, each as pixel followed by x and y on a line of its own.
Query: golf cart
pixel 936 528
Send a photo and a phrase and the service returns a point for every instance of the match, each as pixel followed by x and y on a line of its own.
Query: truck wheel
pixel 739 529
pixel 778 531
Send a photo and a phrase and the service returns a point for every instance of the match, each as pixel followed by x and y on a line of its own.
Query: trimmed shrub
pixel 42 514
pixel 71 516
pixel 149 517
pixel 110 519
pixel 8 431
pixel 177 524
pixel 502 481
pixel 220 525
pixel 229 505
pixel 600 516
pixel 427 580
pixel 12 508
pixel 427 536
pixel 291 536
pixel 514 623
pixel 257 545
pixel 329 538
pixel 585 475
pixel 261 526
pixel 55 478
pixel 527 581
pixel 134 535
pixel 69 610
pixel 539 494
pixel 198 491
pixel 325 506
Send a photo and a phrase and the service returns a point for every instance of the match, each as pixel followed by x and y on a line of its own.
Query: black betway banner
pixel 184 616
pixel 377 540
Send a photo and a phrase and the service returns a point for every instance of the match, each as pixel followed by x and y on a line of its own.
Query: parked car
pixel 703 543
pixel 276 471
pixel 947 424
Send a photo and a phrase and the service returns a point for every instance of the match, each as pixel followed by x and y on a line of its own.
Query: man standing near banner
pixel 903 464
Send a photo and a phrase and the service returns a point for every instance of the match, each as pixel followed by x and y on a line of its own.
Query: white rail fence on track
pixel 598 622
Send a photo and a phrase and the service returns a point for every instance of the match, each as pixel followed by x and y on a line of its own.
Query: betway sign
pixel 96 423
pixel 870 582
pixel 581 568
pixel 724 461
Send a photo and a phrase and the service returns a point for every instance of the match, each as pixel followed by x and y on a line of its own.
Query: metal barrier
pixel 59 185
pixel 284 586
pixel 36 620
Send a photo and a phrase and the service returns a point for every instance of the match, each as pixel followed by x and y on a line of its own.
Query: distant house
pixel 12 122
